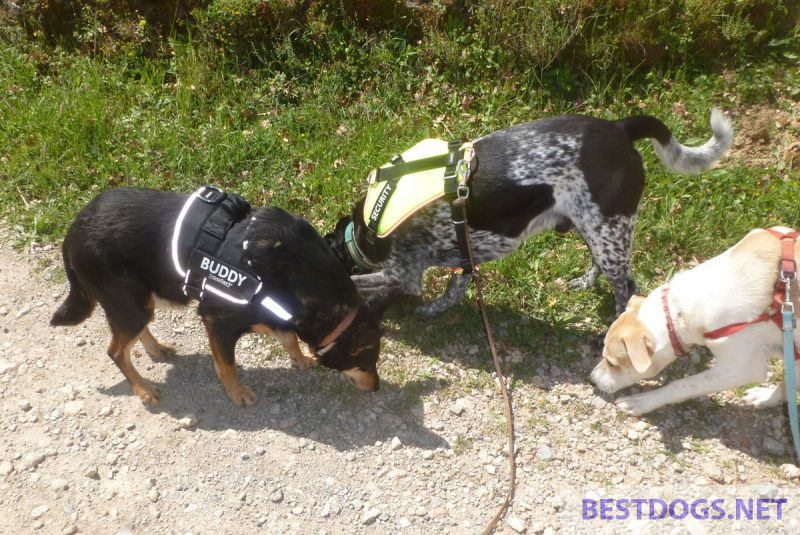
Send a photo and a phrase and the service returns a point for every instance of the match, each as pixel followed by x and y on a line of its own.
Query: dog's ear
pixel 640 350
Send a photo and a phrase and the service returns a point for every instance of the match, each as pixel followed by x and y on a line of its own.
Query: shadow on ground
pixel 318 404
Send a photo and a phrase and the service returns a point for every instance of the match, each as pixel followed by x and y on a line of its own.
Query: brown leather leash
pixel 460 203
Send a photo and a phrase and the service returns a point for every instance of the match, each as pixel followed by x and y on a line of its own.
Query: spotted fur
pixel 558 173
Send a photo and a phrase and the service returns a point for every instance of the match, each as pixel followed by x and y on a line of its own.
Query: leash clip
pixel 462 191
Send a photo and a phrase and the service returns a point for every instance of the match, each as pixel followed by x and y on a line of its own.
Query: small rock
pixel 297 511
pixel 427 455
pixel 490 468
pixel 71 530
pixel 457 407
pixel 105 410
pixel 73 407
pixel 154 495
pixel 766 490
pixel 790 471
pixel 545 453
pixel 396 473
pixel 24 310
pixel 598 402
pixel 228 433
pixel 131 426
pixel 517 524
pixel 288 422
pixel 403 522
pixel 396 444
pixel 326 511
pixel 6 467
pixel 24 404
pixel 59 485
pixel 370 516
pixel 276 497
pixel 634 477
pixel 187 422
pixel 90 472
pixel 39 511
pixel 6 366
pixel 32 459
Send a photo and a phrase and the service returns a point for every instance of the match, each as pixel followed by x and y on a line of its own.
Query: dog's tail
pixel 78 306
pixel 676 157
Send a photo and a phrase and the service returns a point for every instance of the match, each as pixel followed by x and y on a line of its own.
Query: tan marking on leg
pixel 154 349
pixel 120 352
pixel 239 393
pixel 289 342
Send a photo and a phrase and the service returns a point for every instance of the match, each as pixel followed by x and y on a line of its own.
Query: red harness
pixel 788 269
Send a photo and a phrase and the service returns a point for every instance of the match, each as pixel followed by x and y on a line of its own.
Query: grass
pixel 73 125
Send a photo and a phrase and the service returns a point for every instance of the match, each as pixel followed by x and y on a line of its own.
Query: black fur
pixel 118 253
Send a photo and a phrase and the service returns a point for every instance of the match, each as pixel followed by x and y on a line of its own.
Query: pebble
pixel 403 522
pixel 326 511
pixel 276 497
pixel 59 485
pixel 370 516
pixel 71 530
pixel 766 490
pixel 6 467
pixel 790 471
pixel 73 407
pixel 32 459
pixel 154 495
pixel 545 453
pixel 288 422
pixel 24 310
pixel 396 444
pixel 105 410
pixel 457 407
pixel 598 402
pixel 24 404
pixel 7 366
pixel 39 511
pixel 90 472
pixel 490 468
pixel 516 523
pixel 427 455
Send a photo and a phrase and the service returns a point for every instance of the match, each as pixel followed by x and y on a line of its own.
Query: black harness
pixel 209 264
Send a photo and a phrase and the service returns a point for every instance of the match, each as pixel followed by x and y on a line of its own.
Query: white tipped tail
pixel 682 159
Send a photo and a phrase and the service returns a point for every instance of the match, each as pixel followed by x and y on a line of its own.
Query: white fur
pixel 705 298
pixel 682 159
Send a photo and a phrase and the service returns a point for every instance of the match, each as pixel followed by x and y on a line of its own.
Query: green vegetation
pixel 292 103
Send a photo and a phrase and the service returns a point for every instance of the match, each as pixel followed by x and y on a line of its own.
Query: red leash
pixel 788 267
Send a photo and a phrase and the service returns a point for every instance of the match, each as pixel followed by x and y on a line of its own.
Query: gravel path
pixel 425 454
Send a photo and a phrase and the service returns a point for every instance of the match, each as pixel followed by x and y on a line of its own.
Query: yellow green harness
pixel 432 169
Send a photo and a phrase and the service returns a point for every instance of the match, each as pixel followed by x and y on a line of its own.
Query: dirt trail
pixel 80 453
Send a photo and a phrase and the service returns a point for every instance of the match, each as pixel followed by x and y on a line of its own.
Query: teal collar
pixel 355 253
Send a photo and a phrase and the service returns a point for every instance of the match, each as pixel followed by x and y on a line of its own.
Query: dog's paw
pixel 584 282
pixel 161 352
pixel 146 392
pixel 762 397
pixel 241 395
pixel 637 404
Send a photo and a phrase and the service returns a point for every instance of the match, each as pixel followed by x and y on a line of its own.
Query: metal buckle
pixel 211 194
pixel 462 191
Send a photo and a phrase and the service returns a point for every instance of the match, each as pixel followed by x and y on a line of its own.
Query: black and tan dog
pixel 119 252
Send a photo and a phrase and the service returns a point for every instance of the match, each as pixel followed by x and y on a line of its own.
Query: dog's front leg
pixel 725 375
pixel 223 346
pixel 456 288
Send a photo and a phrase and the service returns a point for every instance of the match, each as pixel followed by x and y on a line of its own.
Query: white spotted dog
pixel 727 304
pixel 557 173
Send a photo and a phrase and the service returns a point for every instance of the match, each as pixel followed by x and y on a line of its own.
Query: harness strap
pixel 788 268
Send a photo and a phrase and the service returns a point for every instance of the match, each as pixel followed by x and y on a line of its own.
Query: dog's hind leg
pixel 456 288
pixel 610 243
pixel 223 350
pixel 762 397
pixel 120 352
